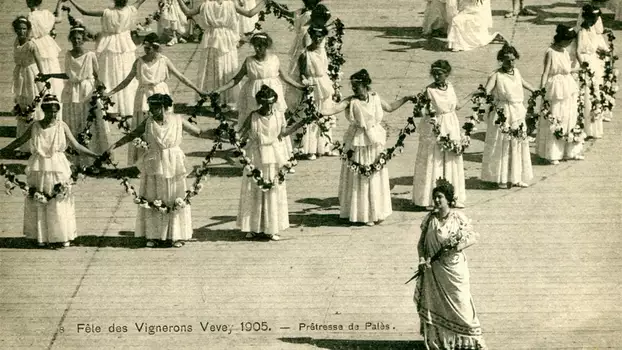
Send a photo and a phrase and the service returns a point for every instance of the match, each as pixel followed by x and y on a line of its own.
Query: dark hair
pixel 266 93
pixel 590 15
pixel 311 4
pixel 361 76
pixel 317 31
pixel 447 189
pixel 163 100
pixel 77 29
pixel 564 33
pixel 507 49
pixel 320 15
pixel 153 39
pixel 441 64
pixel 261 39
pixel 120 3
pixel 19 20
pixel 33 3
pixel 49 101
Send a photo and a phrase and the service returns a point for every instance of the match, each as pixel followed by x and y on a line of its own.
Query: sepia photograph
pixel 310 174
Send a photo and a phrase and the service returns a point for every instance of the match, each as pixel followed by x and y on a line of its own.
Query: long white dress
pixel 561 92
pixel 469 29
pixel 438 15
pixel 24 87
pixel 317 72
pixel 443 293
pixel 260 73
pixel 42 22
pixel 264 211
pixel 54 221
pixel 301 40
pixel 247 25
pixel 151 77
pixel 361 198
pixel 432 162
pixel 116 53
pixel 507 159
pixel 219 51
pixel 589 42
pixel 76 99
pixel 163 177
pixel 172 18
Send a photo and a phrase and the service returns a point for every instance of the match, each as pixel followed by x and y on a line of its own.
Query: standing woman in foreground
pixel 49 211
pixel 443 297
pixel 219 46
pixel 506 158
pixel 42 22
pixel 433 161
pixel 364 197
pixel 116 51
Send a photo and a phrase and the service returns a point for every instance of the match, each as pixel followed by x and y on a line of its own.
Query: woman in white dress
pixel 434 162
pixel 469 29
pixel 48 218
pixel 81 72
pixel 589 44
pixel 151 70
pixel 163 173
pixel 561 93
pixel 247 24
pixel 313 67
pixel 264 212
pixel 173 22
pixel 219 46
pixel 506 158
pixel 438 15
pixel 443 297
pixel 27 67
pixel 116 51
pixel 364 193
pixel 42 22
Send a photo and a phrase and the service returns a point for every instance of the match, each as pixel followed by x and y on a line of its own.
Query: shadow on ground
pixel 339 344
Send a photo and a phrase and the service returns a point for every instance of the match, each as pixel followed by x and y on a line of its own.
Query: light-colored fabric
pixel 264 211
pixel 433 163
pixel 589 42
pixel 164 157
pixel 260 73
pixel 172 18
pixel 81 83
pixel 247 24
pixel 54 221
pixel 507 159
pixel 361 198
pixel 561 92
pixel 42 22
pixel 469 29
pixel 438 15
pixel 24 87
pixel 443 297
pixel 116 26
pixel 219 21
pixel 216 68
pixel 301 38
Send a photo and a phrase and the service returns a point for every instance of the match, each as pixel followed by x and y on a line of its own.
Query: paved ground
pixel 545 274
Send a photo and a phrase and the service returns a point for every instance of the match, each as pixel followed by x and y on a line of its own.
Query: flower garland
pixel 312 115
pixel 179 203
pixel 532 116
pixel 85 136
pixel 155 16
pixel 26 114
pixel 335 58
pixel 272 8
pixel 586 79
pixel 610 77
pixel 479 98
pixel 424 105
pixel 555 125
pixel 256 174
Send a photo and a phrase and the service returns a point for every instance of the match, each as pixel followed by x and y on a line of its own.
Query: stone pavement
pixel 544 275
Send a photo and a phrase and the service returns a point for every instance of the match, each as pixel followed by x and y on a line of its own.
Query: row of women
pixel 444 304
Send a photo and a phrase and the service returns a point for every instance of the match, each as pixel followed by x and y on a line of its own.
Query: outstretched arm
pixel 196 131
pixel 390 107
pixel 75 144
pixel 249 13
pixel 491 83
pixel 286 78
pixel 18 141
pixel 188 12
pixel 233 82
pixel 86 12
pixel 182 78
pixel 122 85
pixel 336 108
pixel 57 12
pixel 140 129
pixel 547 68
pixel 138 3
pixel 528 86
